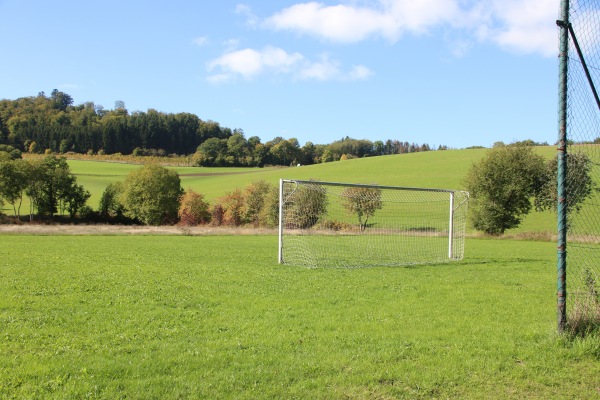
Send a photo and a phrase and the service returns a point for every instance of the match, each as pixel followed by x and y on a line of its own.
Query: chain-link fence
pixel 580 138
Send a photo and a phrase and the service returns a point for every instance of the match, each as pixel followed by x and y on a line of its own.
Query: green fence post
pixel 562 167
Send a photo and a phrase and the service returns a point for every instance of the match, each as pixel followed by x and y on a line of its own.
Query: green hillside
pixel 441 169
pixel 433 169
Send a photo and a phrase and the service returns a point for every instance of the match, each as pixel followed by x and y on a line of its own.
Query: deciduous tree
pixel 110 205
pixel 14 178
pixel 151 195
pixel 579 183
pixel 502 185
pixel 309 204
pixel 193 209
pixel 75 198
pixel 255 199
pixel 232 204
pixel 363 202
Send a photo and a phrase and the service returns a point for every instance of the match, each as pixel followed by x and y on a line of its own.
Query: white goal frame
pixel 301 234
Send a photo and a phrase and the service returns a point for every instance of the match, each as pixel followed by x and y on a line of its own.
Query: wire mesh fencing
pixel 582 197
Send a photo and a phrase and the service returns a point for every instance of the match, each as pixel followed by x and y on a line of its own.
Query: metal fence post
pixel 562 167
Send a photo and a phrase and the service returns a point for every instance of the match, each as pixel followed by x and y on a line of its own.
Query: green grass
pixel 356 250
pixel 215 317
pixel 445 169
pixel 96 175
pixel 433 169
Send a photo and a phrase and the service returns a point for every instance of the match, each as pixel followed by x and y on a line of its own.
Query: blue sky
pixel 444 72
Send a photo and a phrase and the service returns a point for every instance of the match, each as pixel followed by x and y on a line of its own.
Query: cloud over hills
pixel 521 26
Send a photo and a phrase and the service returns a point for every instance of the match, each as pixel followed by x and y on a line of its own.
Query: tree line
pixel 505 186
pixel 53 124
pixel 47 182
pixel 152 195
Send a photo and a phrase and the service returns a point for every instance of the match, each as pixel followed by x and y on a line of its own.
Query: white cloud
pixel 323 70
pixel 245 10
pixel 359 72
pixel 590 44
pixel 244 62
pixel 219 78
pixel 327 69
pixel 200 41
pixel 351 23
pixel 520 25
pixel 250 63
pixel 526 26
pixel 339 23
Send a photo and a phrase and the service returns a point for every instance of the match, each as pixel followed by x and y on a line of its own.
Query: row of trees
pixel 236 150
pixel 504 183
pixel 150 195
pixel 505 186
pixel 48 184
pixel 35 124
pixel 153 195
pixel 53 123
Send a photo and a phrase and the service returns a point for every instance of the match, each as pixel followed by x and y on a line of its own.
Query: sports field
pixel 216 317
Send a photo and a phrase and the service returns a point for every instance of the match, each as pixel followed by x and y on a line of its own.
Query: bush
pixel 110 205
pixel 336 226
pixel 151 195
pixel 233 208
pixel 309 204
pixel 269 215
pixel 193 209
pixel 501 186
pixel 579 183
pixel 86 213
pixel 255 199
pixel 216 215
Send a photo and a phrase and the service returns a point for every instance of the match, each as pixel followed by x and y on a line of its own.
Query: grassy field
pixel 445 169
pixel 434 169
pixel 215 317
pixel 437 169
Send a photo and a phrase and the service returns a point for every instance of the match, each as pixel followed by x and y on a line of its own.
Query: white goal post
pixel 332 224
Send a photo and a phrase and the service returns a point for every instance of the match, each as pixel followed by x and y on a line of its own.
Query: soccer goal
pixel 329 224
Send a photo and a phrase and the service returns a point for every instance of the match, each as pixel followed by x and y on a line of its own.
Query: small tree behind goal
pixel 329 224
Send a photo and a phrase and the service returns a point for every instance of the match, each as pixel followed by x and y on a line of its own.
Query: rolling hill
pixel 434 169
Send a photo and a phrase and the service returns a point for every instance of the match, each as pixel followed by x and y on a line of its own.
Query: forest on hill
pixel 53 124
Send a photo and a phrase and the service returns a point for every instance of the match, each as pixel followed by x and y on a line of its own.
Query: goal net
pixel 328 224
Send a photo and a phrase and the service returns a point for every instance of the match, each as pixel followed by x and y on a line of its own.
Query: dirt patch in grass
pixel 104 229
pixel 223 173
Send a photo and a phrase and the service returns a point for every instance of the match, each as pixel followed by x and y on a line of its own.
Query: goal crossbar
pixel 368 186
